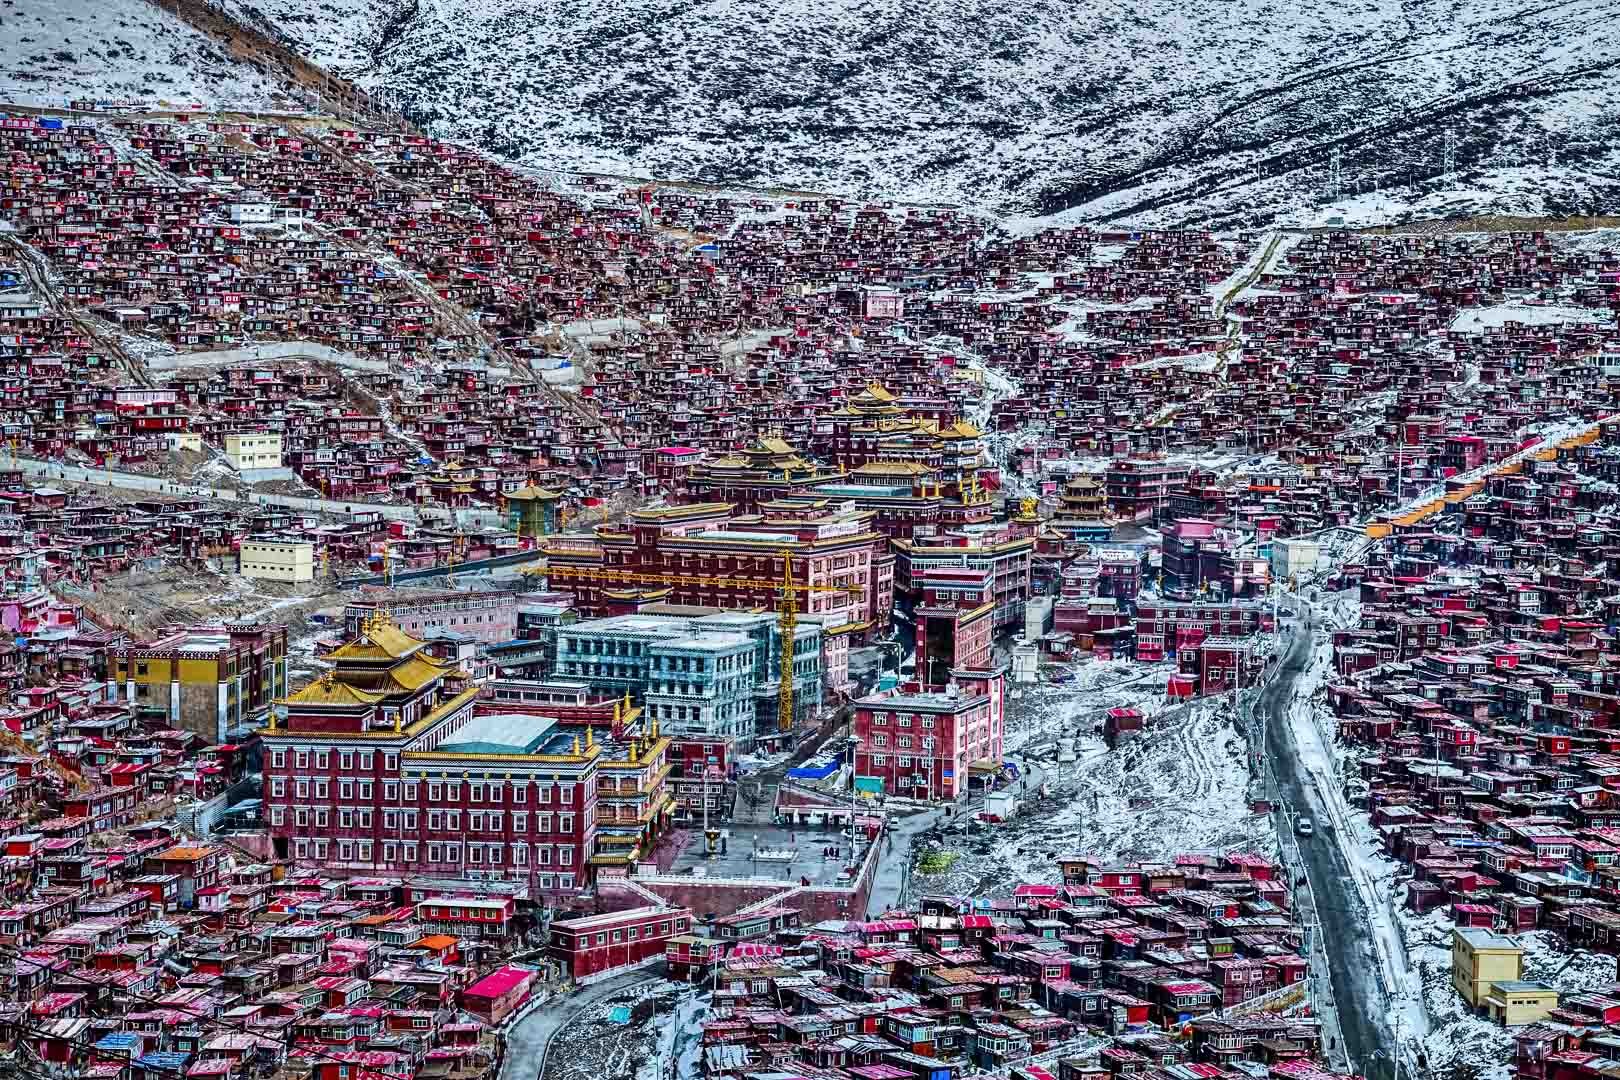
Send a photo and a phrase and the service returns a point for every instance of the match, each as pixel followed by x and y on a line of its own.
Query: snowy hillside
pixel 1155 111
pixel 121 50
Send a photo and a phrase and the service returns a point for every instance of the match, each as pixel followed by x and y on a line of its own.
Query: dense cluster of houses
pixel 139 955
pixel 444 298
pixel 1188 964
pixel 1478 681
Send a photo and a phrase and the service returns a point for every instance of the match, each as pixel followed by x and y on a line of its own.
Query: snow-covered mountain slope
pixel 52 51
pixel 1147 111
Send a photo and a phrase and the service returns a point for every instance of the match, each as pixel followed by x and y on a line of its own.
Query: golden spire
pixel 590 736
pixel 627 704
pixel 576 746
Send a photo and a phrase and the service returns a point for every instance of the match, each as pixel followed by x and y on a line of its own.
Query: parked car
pixel 1304 827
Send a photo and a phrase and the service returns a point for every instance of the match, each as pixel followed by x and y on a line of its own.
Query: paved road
pixel 48 470
pixel 893 872
pixel 1352 962
pixel 531 1036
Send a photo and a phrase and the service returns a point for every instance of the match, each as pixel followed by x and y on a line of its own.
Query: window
pixel 278 759
pixel 366 760
pixel 565 856
pixel 278 787
pixel 346 761
pixel 520 794
pixel 323 759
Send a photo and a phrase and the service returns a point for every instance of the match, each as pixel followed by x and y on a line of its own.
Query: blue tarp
pixel 817 769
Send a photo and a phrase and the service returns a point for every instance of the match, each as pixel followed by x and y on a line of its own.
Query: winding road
pixel 1365 1012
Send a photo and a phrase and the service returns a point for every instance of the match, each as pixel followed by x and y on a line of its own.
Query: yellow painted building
pixel 205 679
pixel 1481 958
pixel 1513 1004
pixel 253 450
pixel 276 560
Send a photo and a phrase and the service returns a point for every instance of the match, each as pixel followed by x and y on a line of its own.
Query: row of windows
pixel 347 760
pixel 477 792
pixel 901 719
pixel 904 741
pixel 630 933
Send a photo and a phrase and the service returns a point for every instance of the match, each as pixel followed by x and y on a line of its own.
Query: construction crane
pixel 787 606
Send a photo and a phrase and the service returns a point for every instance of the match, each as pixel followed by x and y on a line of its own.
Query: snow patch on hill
pixel 1154 112
pixel 52 51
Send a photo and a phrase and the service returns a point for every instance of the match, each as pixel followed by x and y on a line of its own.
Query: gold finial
pixel 655 727
pixel 627 704
pixel 634 743
pixel 326 677
pixel 397 715
pixel 590 736
pixel 618 716
pixel 576 746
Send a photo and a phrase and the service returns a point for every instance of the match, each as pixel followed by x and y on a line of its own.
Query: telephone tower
pixel 1451 152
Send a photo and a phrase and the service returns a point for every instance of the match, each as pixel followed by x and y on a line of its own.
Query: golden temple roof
pixel 891 468
pixel 329 691
pixel 533 492
pixel 379 639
